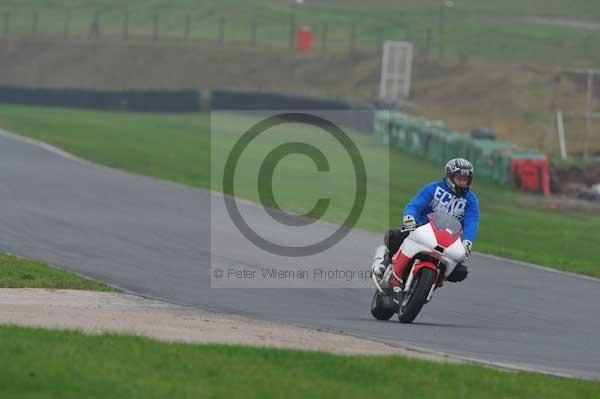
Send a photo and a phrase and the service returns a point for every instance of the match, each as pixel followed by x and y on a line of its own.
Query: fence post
pixel 408 36
pixel 222 23
pixel 187 28
pixel 324 37
pixel 155 28
pixel 67 28
pixel 125 27
pixel 95 27
pixel 6 24
pixel 352 38
pixel 588 115
pixel 441 21
pixel 380 40
pixel 552 108
pixel 292 25
pixel 428 41
pixel 34 24
pixel 253 31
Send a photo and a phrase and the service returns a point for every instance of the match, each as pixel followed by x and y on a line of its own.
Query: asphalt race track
pixel 152 238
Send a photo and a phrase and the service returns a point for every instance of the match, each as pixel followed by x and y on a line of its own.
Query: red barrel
pixel 304 39
pixel 531 175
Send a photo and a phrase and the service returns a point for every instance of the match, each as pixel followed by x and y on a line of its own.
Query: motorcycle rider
pixel 452 195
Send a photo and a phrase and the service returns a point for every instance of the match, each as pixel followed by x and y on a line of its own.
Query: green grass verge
pixel 178 148
pixel 17 272
pixel 482 28
pixel 52 364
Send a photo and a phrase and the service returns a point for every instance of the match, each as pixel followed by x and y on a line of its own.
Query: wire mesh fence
pixel 445 29
pixel 532 31
pixel 181 27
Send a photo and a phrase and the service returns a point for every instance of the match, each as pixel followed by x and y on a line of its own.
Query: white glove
pixel 467 244
pixel 409 223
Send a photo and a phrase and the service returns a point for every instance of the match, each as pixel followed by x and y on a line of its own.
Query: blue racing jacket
pixel 437 196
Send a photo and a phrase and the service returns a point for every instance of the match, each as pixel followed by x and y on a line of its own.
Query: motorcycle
pixel 425 259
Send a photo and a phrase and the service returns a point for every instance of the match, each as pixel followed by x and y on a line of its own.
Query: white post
pixel 384 66
pixel 588 114
pixel 561 135
pixel 408 70
pixel 396 69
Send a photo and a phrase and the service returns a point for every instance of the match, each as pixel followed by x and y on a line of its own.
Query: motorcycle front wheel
pixel 416 296
pixel 382 307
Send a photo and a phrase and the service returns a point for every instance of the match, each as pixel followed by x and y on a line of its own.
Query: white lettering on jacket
pixel 443 201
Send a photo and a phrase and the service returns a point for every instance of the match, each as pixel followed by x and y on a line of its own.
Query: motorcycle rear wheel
pixel 418 295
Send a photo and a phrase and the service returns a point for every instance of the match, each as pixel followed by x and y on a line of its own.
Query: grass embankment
pixel 17 272
pixel 178 148
pixel 481 28
pixel 48 364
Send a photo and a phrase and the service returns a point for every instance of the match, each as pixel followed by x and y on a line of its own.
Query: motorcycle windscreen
pixel 447 228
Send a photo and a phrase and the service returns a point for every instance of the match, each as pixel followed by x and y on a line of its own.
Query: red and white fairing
pixel 425 240
pixel 439 239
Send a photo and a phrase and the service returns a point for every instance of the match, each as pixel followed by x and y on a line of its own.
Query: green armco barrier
pixel 438 143
pixel 416 140
pixel 382 120
pixel 487 159
pixel 456 145
pixel 437 149
pixel 400 126
pixel 526 154
pixel 393 127
pixel 501 171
